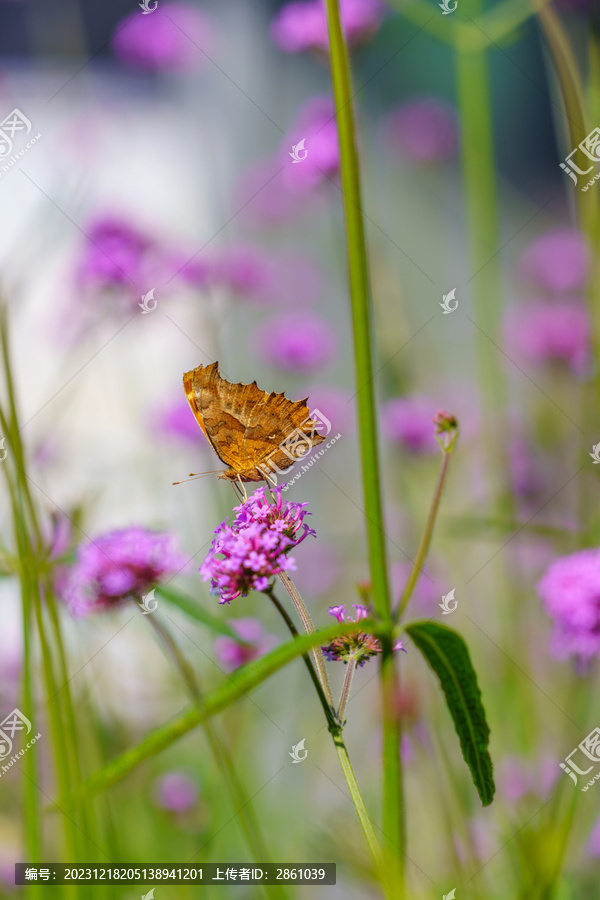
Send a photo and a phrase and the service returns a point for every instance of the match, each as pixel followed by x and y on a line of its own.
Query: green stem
pixel 358 275
pixel 425 542
pixel 335 729
pixel 350 670
pixel 317 653
pixel 474 101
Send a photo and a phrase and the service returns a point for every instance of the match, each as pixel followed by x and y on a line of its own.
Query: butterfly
pixel 249 428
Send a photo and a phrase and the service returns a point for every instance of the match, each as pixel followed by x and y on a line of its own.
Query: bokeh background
pixel 164 165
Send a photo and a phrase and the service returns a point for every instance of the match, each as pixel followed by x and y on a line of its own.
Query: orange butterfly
pixel 246 427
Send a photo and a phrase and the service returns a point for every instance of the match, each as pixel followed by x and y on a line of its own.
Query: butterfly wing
pixel 243 424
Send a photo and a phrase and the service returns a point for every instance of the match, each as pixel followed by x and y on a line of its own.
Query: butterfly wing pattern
pixel 246 426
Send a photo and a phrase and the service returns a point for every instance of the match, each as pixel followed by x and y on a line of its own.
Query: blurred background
pixel 152 157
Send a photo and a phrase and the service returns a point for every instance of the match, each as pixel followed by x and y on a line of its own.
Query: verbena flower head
pixel 551 331
pixel 172 39
pixel 296 342
pixel 118 565
pixel 301 26
pixel 316 126
pixel 557 261
pixel 176 792
pixel 407 421
pixel 423 130
pixel 570 591
pixel 359 646
pixel 245 556
pixel 252 643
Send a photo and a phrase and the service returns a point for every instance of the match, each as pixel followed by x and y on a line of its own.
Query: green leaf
pixel 237 685
pixel 194 609
pixel 448 656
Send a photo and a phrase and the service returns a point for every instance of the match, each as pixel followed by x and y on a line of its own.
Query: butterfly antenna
pixel 195 475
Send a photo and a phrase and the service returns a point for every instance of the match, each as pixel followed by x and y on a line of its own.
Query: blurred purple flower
pixel 408 421
pixel 176 792
pixel 296 342
pixel 253 643
pixel 195 271
pixel 423 130
pixel 302 25
pixel 519 776
pixel 117 256
pixel 593 846
pixel 557 261
pixel 359 646
pixel 550 331
pixel 316 126
pixel 175 38
pixel 528 478
pixel 116 565
pixel 247 270
pixel 570 591
pixel 246 555
pixel 427 593
pixel 175 421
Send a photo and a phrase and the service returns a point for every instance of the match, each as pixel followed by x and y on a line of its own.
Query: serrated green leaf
pixel 448 656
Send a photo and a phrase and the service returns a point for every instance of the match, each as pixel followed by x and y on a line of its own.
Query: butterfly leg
pixel 242 489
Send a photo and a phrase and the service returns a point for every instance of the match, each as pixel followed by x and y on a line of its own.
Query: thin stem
pixel 317 653
pixel 335 729
pixel 425 542
pixel 350 670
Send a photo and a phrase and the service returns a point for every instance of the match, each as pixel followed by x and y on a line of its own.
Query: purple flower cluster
pixel 359 646
pixel 117 565
pixel 246 555
pixel 302 25
pixel 570 591
pixel 176 792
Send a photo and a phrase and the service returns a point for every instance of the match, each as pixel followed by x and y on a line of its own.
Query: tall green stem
pixel 358 273
pixel 478 162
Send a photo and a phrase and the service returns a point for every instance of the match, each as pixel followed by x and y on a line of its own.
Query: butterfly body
pixel 246 427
